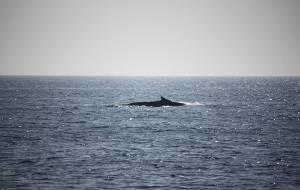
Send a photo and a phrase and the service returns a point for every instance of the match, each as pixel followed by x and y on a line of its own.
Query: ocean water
pixel 74 133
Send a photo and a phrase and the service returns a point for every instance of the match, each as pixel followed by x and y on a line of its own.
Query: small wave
pixel 53 158
pixel 26 162
pixel 75 121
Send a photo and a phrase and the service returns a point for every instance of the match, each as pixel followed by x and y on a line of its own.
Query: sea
pixel 78 133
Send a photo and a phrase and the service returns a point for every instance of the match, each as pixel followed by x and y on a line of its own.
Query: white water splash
pixel 192 103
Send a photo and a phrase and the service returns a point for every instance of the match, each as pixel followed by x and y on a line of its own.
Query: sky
pixel 150 37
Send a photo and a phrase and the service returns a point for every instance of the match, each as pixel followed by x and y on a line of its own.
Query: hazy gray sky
pixel 150 37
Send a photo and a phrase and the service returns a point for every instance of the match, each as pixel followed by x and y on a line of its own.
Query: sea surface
pixel 75 133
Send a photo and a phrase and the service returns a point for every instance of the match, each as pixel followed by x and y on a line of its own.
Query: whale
pixel 163 102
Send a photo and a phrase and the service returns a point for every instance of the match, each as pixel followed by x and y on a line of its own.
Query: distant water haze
pixel 157 37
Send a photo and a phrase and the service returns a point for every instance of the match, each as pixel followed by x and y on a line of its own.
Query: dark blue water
pixel 70 133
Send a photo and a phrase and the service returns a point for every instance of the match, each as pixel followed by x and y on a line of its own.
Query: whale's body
pixel 163 102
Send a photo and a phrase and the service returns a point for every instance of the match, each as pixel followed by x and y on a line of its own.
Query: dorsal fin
pixel 164 99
